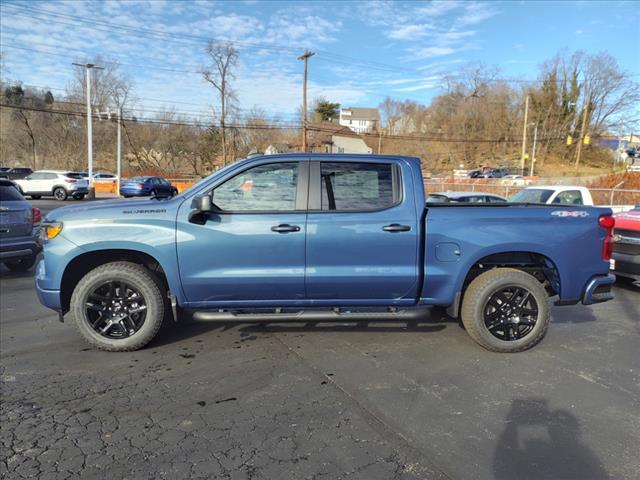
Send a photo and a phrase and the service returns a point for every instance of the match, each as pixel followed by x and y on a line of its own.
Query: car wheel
pixel 35 197
pixel 21 265
pixel 118 306
pixel 78 196
pixel 60 194
pixel 506 310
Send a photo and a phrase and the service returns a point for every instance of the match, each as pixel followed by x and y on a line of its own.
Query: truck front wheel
pixel 118 306
pixel 506 310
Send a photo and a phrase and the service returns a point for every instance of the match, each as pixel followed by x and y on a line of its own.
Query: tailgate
pixel 15 219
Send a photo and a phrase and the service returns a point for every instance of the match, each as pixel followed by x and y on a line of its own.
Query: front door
pixel 251 250
pixel 362 233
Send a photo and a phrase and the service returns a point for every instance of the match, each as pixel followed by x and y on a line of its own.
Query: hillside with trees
pixel 477 119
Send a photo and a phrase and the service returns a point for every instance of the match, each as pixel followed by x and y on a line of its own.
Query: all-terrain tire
pixel 480 291
pixel 148 286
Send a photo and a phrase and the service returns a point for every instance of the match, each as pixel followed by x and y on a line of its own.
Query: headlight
pixel 50 230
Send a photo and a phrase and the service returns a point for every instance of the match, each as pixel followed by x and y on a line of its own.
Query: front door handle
pixel 396 227
pixel 285 228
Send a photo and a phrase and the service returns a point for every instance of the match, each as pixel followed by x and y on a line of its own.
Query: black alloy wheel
pixel 115 309
pixel 510 313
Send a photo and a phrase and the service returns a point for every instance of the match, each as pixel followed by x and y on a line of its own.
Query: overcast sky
pixel 365 50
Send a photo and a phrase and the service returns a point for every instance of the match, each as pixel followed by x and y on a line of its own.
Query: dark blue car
pixel 147 186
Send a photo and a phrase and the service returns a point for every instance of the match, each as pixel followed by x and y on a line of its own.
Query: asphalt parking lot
pixel 360 400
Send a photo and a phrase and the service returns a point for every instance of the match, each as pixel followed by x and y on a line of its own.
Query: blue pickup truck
pixel 323 237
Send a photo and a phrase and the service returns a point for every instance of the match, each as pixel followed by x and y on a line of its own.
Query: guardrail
pixel 601 196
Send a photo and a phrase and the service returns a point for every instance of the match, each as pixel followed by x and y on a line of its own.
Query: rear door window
pixel 358 186
pixel 569 197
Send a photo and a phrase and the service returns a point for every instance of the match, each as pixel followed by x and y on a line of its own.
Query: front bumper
pixel 21 247
pixel 598 289
pixel 48 298
pixel 627 265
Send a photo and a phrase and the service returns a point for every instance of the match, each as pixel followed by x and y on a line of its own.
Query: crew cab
pixel 554 194
pixel 322 237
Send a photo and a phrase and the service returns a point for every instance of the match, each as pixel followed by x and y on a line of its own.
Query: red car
pixel 626 251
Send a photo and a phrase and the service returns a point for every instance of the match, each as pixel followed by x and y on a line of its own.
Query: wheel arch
pixel 537 264
pixel 85 262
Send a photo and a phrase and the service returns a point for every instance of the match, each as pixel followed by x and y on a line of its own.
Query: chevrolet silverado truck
pixel 321 237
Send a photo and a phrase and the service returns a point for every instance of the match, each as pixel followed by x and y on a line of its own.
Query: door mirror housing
pixel 204 204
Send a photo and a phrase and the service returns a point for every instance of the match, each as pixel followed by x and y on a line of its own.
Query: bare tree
pixel 220 72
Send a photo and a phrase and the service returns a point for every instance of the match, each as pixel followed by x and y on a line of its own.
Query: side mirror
pixel 204 204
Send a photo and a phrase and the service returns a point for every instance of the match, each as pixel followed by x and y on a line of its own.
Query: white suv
pixel 57 183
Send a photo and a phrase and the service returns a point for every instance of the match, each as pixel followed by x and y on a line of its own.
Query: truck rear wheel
pixel 118 306
pixel 506 310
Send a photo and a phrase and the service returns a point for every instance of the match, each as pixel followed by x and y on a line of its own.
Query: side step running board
pixel 335 315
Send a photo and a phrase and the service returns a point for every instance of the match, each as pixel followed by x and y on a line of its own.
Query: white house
pixel 360 120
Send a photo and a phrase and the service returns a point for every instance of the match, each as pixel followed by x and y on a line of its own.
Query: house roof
pixel 358 113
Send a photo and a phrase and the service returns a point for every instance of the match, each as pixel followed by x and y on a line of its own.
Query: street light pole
pixel 87 68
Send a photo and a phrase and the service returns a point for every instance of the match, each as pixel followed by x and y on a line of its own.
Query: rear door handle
pixel 396 227
pixel 285 228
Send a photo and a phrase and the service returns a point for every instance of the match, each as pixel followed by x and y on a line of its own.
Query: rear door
pixel 362 233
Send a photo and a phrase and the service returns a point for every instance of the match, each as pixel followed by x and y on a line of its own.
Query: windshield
pixel 532 195
pixel 138 179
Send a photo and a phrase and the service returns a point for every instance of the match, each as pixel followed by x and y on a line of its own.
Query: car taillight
pixel 607 222
pixel 70 180
pixel 36 215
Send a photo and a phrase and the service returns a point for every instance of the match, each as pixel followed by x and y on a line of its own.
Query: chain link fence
pixel 601 196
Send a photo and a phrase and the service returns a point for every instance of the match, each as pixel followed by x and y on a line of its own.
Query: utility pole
pixel 582 132
pixel 524 136
pixel 119 152
pixel 118 143
pixel 379 140
pixel 87 68
pixel 305 56
pixel 533 153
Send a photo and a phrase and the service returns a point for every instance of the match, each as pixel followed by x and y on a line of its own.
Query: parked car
pixel 147 186
pixel 59 184
pixel 102 176
pixel 15 173
pixel 626 250
pixel 464 197
pixel 515 180
pixel 495 173
pixel 554 195
pixel 19 228
pixel 320 236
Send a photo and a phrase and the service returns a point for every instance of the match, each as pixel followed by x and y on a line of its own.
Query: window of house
pixel 270 187
pixel 357 186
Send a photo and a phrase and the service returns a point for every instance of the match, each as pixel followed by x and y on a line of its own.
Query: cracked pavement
pixel 313 401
